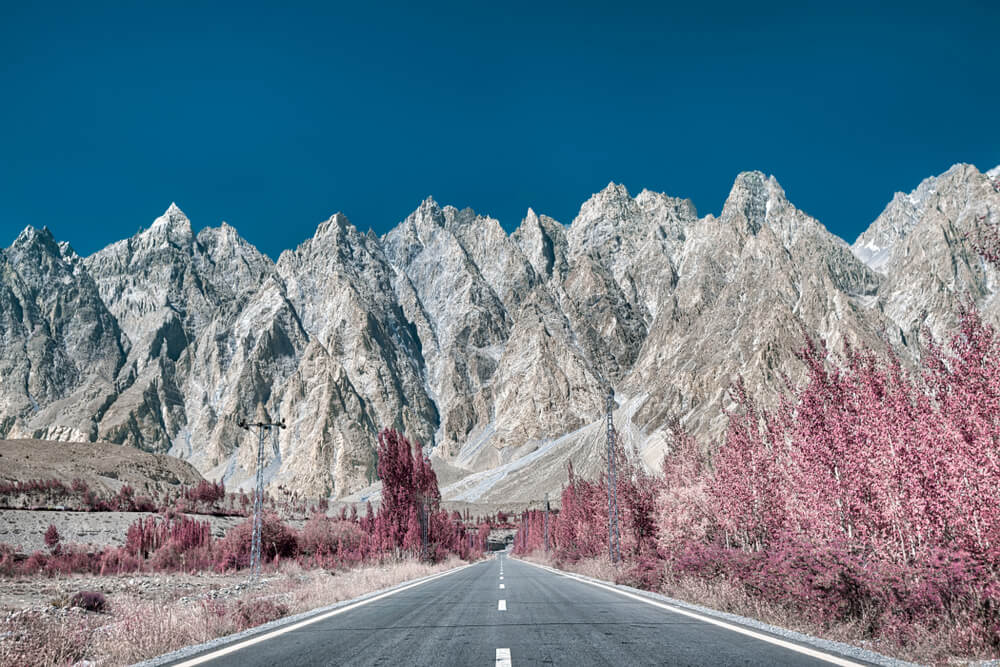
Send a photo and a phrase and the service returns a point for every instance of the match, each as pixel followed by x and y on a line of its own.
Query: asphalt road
pixel 459 619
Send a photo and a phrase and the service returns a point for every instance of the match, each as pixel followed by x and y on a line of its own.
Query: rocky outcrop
pixel 444 259
pixel 60 347
pixel 340 283
pixel 923 244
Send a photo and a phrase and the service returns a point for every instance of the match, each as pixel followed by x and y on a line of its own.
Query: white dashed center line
pixel 502 605
pixel 501 585
pixel 503 657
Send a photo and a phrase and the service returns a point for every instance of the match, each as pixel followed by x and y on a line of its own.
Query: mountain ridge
pixel 491 348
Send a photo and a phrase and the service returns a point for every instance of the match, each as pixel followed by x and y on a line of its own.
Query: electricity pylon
pixel 613 545
pixel 258 496
pixel 546 523
pixel 423 528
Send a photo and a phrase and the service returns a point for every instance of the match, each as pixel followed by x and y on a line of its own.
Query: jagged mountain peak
pixel 58 339
pixel 337 246
pixel 37 260
pixel 951 191
pixel 30 236
pixel 659 205
pixel 533 220
pixel 172 216
pixel 67 251
pixel 449 217
pixel 427 215
pixel 613 202
pixel 462 231
pixel 614 191
pixel 173 226
pixel 224 232
pixel 751 198
pixel 224 243
pixel 543 242
pixel 336 225
pixel 602 219
pixel 36 251
pixel 466 224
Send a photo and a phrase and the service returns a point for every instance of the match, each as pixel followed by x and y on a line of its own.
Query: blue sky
pixel 274 118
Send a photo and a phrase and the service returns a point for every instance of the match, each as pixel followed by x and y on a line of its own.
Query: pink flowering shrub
pixel 257 611
pixel 277 541
pixel 89 600
pixel 52 537
pixel 206 492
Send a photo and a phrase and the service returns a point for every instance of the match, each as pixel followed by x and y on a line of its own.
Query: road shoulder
pixel 749 625
pixel 265 631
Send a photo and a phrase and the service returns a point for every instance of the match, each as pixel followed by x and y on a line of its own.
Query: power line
pixel 258 497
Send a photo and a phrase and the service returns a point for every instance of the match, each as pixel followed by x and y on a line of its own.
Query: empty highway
pixel 506 612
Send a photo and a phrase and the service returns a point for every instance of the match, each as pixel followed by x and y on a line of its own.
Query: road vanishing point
pixel 505 612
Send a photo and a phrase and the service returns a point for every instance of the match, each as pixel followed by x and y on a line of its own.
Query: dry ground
pixel 25 529
pixel 148 615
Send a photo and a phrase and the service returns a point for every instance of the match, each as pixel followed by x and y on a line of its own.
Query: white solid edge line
pixel 714 621
pixel 315 619
pixel 503 657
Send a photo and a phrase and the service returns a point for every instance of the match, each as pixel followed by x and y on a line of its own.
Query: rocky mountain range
pixel 494 350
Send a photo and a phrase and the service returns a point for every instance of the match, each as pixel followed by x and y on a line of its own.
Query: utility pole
pixel 258 496
pixel 613 546
pixel 546 523
pixel 422 516
pixel 423 527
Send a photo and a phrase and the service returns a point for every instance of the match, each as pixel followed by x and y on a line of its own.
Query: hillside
pixel 103 467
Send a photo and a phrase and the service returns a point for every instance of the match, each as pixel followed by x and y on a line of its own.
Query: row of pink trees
pixel 203 498
pixel 871 457
pixel 409 523
pixel 871 492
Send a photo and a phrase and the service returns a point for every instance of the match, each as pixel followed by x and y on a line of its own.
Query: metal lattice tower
pixel 258 496
pixel 423 528
pixel 546 523
pixel 613 543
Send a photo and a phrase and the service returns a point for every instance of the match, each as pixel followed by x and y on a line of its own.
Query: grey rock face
pixel 457 275
pixel 750 284
pixel 543 242
pixel 635 240
pixel 60 348
pixel 341 285
pixel 495 351
pixel 923 243
pixel 166 287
